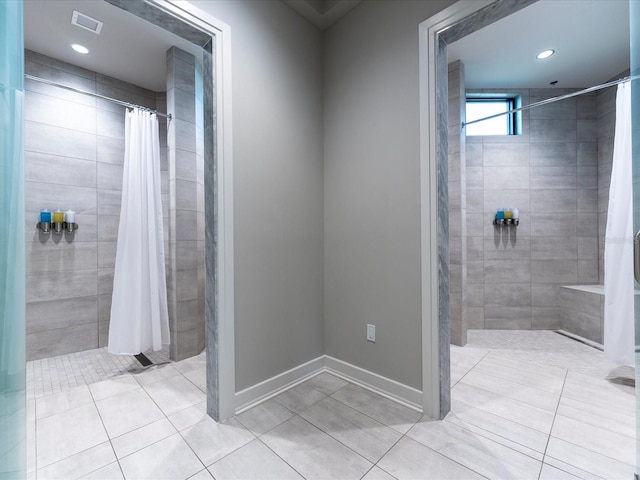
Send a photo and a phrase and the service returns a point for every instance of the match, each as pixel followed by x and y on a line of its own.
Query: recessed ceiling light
pixel 545 54
pixel 80 48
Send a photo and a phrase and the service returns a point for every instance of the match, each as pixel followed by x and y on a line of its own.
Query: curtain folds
pixel 139 315
pixel 618 251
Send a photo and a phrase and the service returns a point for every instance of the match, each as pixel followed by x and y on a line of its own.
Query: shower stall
pixel 547 272
pixel 74 160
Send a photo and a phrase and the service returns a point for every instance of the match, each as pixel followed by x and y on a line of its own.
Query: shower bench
pixel 582 311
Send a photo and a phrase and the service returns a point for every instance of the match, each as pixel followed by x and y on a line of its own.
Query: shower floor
pixel 56 374
pixel 546 347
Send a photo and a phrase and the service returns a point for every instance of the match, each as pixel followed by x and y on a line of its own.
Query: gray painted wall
pixel 277 152
pixel 372 197
pixel 550 173
pixel 74 151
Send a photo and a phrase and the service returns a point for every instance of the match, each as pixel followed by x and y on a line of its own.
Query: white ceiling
pixel 591 40
pixel 128 48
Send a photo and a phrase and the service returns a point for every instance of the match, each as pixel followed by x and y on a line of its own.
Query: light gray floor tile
pixel 113 386
pixel 382 409
pixel 175 394
pixel 575 471
pixel 475 452
pixel 410 460
pixel 516 391
pixel 212 441
pixel 191 363
pixel 463 413
pixel 506 376
pixel 598 440
pixel 326 383
pixel 586 460
pixel 377 474
pixel 127 411
pixel 607 418
pixel 170 458
pixel 142 437
pixel 502 367
pixel 300 397
pixel 110 472
pixel 64 434
pixel 189 416
pixel 552 473
pixel 265 416
pixel 62 401
pixel 357 431
pixel 313 453
pixel 501 406
pixel 154 374
pixel 198 377
pixel 79 464
pixel 202 475
pixel 31 435
pixel 253 460
pixel 600 393
pixel 463 360
pixel 525 365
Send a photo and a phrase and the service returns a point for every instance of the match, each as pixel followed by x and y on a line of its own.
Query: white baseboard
pixel 260 392
pixel 273 386
pixel 384 386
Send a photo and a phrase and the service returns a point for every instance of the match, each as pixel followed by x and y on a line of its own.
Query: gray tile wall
pixel 582 313
pixel 74 150
pixel 186 275
pixel 457 205
pixel 550 173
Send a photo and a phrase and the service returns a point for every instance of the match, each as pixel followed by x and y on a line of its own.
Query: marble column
pixel 457 205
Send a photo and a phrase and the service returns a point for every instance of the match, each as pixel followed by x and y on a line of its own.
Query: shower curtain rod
pixel 555 99
pixel 97 95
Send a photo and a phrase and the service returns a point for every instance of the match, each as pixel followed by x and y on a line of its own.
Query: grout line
pixel 544 455
pixel 276 453
pixel 469 371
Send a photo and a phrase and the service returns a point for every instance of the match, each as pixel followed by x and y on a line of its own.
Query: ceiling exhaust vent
pixel 86 22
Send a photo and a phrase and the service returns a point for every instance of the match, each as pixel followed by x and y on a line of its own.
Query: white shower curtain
pixel 139 316
pixel 619 337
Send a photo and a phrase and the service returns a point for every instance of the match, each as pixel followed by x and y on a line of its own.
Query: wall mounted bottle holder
pixel 57 227
pixel 506 221
pixel 58 221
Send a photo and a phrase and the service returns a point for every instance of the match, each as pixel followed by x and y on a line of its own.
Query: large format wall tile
pixel 45 168
pixel 74 160
pixel 554 175
pixel 42 138
pixel 61 312
pixel 60 113
pixel 56 285
pixel 185 284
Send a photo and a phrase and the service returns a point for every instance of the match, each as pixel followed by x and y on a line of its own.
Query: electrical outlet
pixel 371 332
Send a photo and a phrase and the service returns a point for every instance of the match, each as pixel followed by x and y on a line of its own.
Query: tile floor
pixel 524 405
